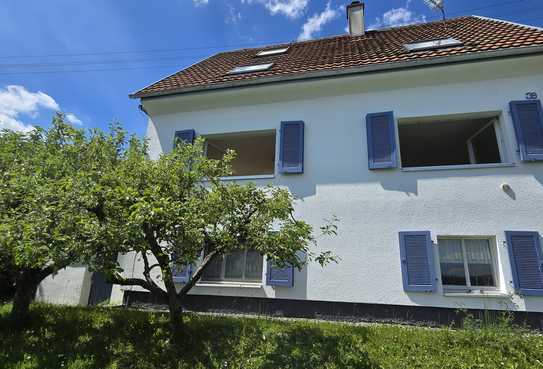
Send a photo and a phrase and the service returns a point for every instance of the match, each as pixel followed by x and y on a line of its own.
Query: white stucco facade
pixel 374 206
pixel 70 286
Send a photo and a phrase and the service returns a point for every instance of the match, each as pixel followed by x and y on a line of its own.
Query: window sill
pixel 238 178
pixel 230 284
pixel 458 167
pixel 475 294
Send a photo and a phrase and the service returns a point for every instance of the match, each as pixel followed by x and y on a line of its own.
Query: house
pixel 426 141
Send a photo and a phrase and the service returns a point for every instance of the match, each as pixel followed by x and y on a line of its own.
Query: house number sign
pixel 531 96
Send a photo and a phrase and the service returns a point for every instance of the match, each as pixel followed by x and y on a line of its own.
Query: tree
pixel 177 211
pixel 49 185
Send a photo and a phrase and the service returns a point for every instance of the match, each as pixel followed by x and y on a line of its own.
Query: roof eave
pixel 417 63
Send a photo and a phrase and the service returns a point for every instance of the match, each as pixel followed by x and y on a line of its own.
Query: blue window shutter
pixel 381 135
pixel 526 262
pixel 291 150
pixel 417 259
pixel 283 277
pixel 528 121
pixel 181 273
pixel 186 136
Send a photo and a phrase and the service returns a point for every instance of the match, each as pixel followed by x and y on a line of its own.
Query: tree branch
pixel 197 274
pixel 153 288
pixel 147 270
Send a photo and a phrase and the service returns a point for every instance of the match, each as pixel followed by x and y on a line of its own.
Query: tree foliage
pixel 50 180
pixel 69 196
pixel 177 210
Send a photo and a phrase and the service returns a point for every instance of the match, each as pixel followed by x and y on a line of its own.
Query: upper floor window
pixel 447 141
pixel 466 263
pixel 255 151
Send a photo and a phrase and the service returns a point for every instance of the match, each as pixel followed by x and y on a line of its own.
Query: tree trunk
pixel 26 285
pixel 175 309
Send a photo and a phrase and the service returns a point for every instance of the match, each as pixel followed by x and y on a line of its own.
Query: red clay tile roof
pixel 342 52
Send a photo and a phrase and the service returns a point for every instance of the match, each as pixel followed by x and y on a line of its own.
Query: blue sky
pixel 85 57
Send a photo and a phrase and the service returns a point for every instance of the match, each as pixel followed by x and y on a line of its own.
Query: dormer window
pixel 270 52
pixel 433 45
pixel 251 68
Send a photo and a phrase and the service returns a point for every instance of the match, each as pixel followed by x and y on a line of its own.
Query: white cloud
pixel 289 8
pixel 233 16
pixel 72 118
pixel 398 17
pixel 16 101
pixel 200 2
pixel 315 23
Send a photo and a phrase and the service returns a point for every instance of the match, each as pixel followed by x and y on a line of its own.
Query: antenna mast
pixel 437 5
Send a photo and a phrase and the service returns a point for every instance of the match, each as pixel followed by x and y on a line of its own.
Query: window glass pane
pixel 451 262
pixel 479 262
pixel 253 266
pixel 213 270
pixel 234 265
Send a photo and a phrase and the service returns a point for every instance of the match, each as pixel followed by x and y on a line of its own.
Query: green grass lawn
pixel 63 337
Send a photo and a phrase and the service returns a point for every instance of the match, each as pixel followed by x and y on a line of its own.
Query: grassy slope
pixel 62 337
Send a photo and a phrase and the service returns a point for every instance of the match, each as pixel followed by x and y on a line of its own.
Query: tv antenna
pixel 437 5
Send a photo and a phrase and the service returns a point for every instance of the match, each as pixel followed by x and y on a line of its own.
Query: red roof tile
pixel 338 53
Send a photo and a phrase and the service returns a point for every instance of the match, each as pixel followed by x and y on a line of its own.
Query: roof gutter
pixel 474 57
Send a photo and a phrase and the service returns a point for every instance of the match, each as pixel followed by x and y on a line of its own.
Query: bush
pixel 63 337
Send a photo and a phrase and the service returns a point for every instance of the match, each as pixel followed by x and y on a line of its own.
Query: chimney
pixel 355 15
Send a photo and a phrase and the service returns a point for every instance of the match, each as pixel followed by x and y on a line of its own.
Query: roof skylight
pixel 434 44
pixel 272 52
pixel 251 68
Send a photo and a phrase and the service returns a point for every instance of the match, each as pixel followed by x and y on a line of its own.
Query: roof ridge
pixel 508 22
pixel 346 35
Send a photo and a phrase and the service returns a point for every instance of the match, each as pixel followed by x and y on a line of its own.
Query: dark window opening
pixel 255 151
pixel 449 142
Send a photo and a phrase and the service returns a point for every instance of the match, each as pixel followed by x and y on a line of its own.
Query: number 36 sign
pixel 531 96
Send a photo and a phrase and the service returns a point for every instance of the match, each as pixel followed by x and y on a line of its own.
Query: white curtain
pixel 478 251
pixel 450 251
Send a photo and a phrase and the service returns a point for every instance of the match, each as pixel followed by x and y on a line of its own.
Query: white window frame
pixel 494 123
pixel 505 158
pixel 222 278
pixel 250 68
pixel 468 287
pixel 270 52
pixel 433 44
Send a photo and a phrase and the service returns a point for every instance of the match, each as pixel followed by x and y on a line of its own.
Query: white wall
pixel 70 286
pixel 374 206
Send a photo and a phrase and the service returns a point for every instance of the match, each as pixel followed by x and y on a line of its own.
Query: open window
pixel 454 140
pixel 255 151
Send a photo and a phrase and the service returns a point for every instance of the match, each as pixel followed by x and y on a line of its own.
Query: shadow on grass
pixel 64 337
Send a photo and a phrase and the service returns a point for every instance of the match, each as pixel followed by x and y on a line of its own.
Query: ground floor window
pixel 238 266
pixel 466 263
